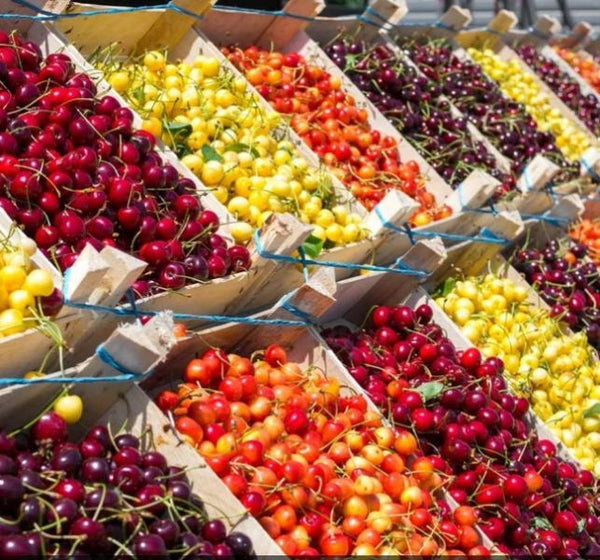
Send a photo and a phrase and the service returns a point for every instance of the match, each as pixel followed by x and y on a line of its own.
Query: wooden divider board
pixel 138 28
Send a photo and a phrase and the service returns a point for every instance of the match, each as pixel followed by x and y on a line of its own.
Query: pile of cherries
pixel 411 102
pixel 567 281
pixel 528 501
pixel 586 107
pixel 329 121
pixel 504 122
pixel 104 497
pixel 74 171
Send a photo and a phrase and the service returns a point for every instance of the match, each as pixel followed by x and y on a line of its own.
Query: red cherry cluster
pixel 329 121
pixel 100 498
pixel 529 502
pixel 74 171
pixel 320 471
pixel 411 102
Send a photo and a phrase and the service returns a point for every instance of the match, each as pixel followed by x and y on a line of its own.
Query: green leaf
pixel 446 288
pixel 179 129
pixel 210 154
pixel 238 147
pixel 182 150
pixel 430 390
pixel 313 246
pixel 592 411
pixel 541 523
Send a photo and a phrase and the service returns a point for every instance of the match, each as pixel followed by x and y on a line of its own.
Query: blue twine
pixel 290 308
pixel 552 220
pixel 537 33
pixel 102 353
pixel 44 15
pixel 128 312
pixel 592 172
pixel 302 254
pixel 486 236
pixel 8 381
pixel 132 304
pixel 402 268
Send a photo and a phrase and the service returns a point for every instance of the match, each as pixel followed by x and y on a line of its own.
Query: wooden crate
pixel 537 235
pixel 479 186
pixel 544 37
pixel 257 288
pixel 303 346
pixel 461 343
pixel 190 44
pixel 394 210
pixel 355 297
pixel 97 278
pixel 123 406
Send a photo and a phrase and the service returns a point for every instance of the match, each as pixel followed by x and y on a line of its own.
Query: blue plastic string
pixel 590 169
pixel 8 381
pixel 302 255
pixel 103 354
pixel 403 269
pixel 552 220
pixel 44 15
pixel 290 308
pixel 128 312
pixel 485 237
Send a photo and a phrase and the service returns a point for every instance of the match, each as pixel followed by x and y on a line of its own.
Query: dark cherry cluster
pixel 411 101
pixel 586 107
pixel 528 501
pixel 504 122
pixel 567 281
pixel 102 498
pixel 74 171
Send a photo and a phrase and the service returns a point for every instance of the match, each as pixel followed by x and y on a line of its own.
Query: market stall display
pixel 276 284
